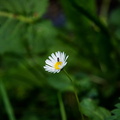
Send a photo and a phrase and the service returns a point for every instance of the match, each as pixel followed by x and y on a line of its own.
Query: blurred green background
pixel 86 30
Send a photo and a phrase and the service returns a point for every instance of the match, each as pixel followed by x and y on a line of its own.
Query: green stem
pixel 19 17
pixel 76 96
pixel 6 102
pixel 91 17
pixel 104 8
pixel 68 75
pixel 62 109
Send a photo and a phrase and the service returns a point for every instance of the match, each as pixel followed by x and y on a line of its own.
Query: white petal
pixel 58 71
pixel 57 54
pixel 54 57
pixel 66 57
pixel 52 60
pixel 49 69
pixel 62 57
pixel 49 62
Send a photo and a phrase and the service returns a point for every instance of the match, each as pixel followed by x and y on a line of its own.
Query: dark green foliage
pixel 92 111
pixel 115 113
pixel 30 30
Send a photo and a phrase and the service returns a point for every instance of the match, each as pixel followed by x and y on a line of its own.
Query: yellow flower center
pixel 57 64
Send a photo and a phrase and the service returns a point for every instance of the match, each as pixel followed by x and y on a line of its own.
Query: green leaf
pixel 24 6
pixel 115 18
pixel 41 36
pixel 9 39
pixel 92 111
pixel 60 82
pixel 115 113
pixel 27 73
pixel 40 7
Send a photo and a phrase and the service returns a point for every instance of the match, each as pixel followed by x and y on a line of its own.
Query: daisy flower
pixel 55 62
